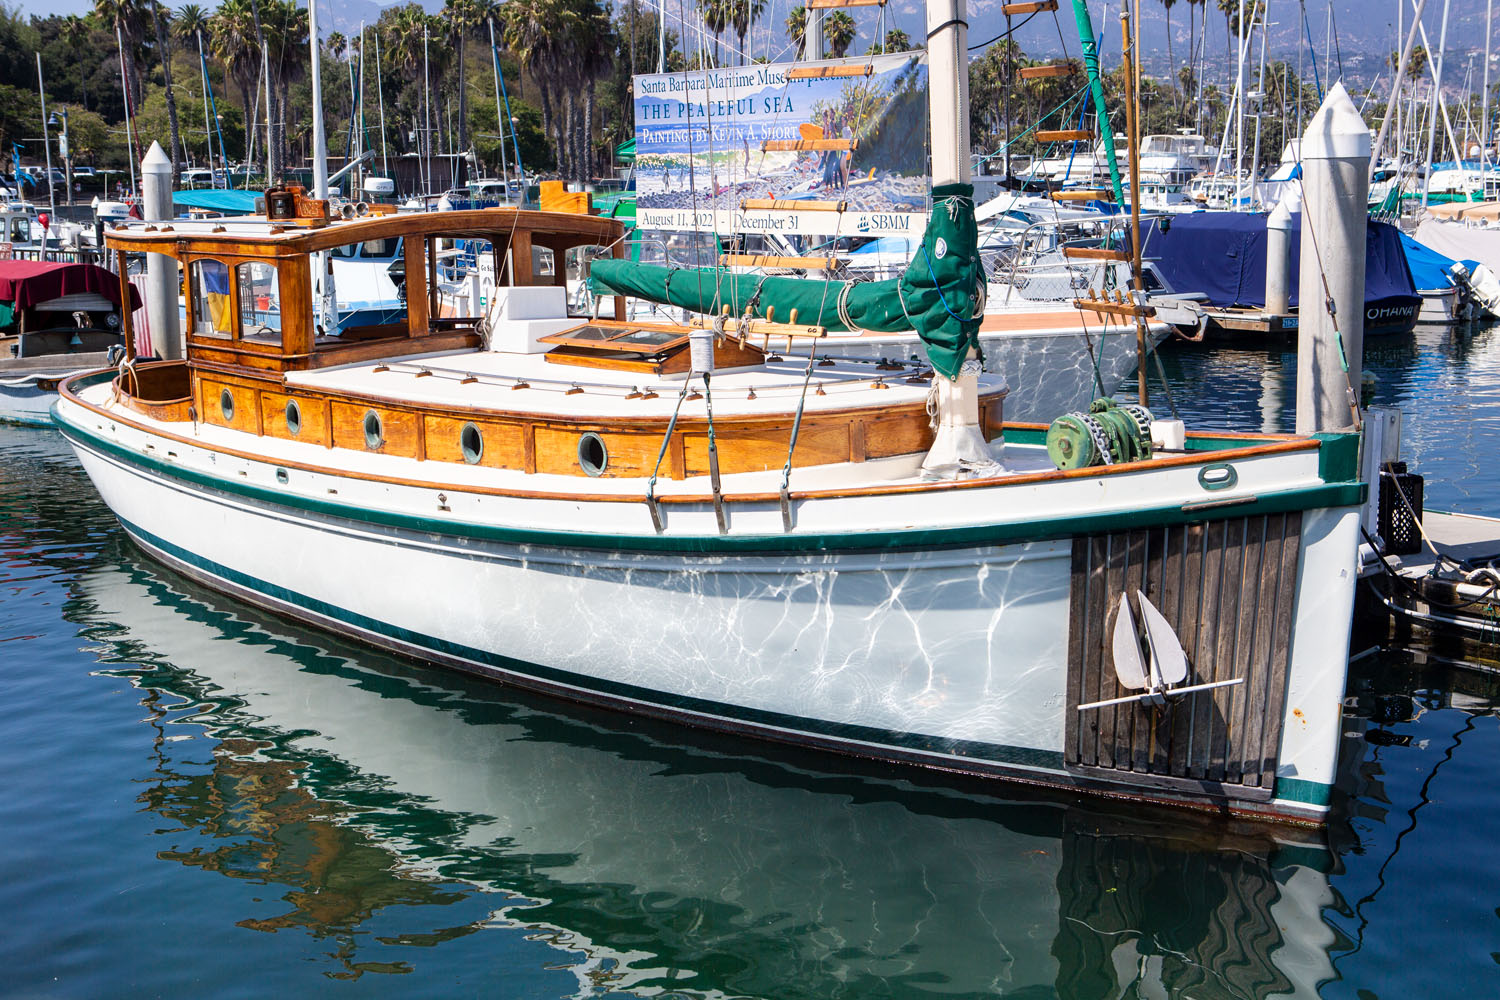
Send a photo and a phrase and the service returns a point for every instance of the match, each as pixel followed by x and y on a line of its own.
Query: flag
pixel 213 290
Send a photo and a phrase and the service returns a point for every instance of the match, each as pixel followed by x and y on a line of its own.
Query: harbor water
pixel 204 800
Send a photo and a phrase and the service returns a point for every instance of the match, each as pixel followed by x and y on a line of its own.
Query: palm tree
pixel 535 30
pixel 122 18
pixel 284 25
pixel 746 13
pixel 192 21
pixel 716 18
pixel 796 30
pixel 160 18
pixel 462 17
pixel 231 40
pixel 596 50
pixel 895 40
pixel 838 32
pixel 1167 4
pixel 75 34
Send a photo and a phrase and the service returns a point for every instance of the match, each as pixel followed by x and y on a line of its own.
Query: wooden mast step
pixel 1033 7
pixel 1083 194
pixel 828 72
pixel 832 4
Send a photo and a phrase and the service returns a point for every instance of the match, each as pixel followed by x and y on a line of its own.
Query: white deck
pixel 439 380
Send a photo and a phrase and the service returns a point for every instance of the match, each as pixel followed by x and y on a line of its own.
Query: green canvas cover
pixel 944 286
pixel 941 295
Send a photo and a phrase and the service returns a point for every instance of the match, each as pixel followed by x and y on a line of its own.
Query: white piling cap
pixel 1336 132
pixel 1287 206
pixel 156 160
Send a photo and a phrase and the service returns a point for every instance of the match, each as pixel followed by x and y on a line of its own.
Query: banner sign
pixel 700 148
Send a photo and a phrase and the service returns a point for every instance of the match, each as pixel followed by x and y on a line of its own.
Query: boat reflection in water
pixel 370 793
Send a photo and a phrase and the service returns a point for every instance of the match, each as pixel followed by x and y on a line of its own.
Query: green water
pixel 205 801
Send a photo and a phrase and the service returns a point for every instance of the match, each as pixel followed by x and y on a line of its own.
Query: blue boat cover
pixel 1430 269
pixel 230 202
pixel 1223 255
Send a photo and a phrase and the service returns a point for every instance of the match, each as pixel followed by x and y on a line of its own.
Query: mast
pixel 208 135
pixel 41 91
pixel 1132 124
pixel 501 109
pixel 320 137
pixel 1260 103
pixel 1239 103
pixel 265 75
pixel 363 134
pixel 1484 100
pixel 1437 94
pixel 1096 93
pixel 385 156
pixel 959 449
pixel 427 102
pixel 125 90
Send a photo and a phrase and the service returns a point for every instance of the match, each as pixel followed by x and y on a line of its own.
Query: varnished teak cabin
pixel 253 324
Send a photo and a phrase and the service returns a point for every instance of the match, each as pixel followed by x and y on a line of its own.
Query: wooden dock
pixel 1453 582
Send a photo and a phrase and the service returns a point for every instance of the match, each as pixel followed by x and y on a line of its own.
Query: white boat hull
pixel 953 656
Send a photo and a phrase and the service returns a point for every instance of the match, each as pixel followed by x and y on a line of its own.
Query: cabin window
pixel 471 443
pixel 374 432
pixel 368 250
pixel 593 456
pixel 20 230
pixel 212 302
pixel 260 302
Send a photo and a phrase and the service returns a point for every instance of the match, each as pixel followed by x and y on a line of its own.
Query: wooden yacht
pixel 712 524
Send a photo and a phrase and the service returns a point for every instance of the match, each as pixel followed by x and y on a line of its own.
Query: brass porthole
pixel 471 443
pixel 226 405
pixel 593 457
pixel 293 418
pixel 374 432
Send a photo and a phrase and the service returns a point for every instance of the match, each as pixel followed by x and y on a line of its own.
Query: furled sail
pixel 940 296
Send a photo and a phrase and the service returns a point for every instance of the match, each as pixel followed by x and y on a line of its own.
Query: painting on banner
pixel 708 140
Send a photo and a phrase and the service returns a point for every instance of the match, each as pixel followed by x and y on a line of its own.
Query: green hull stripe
pixel 988 752
pixel 1303 498
pixel 1313 793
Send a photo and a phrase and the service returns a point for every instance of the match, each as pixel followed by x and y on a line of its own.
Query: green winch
pixel 1109 433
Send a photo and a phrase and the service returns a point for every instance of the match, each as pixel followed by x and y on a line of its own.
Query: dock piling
pixel 1331 310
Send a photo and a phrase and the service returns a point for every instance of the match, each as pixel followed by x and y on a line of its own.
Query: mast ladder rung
pixel 1032 7
pixel 1096 253
pixel 771 260
pixel 1064 135
pixel 807 145
pixel 1105 307
pixel 829 72
pixel 1082 194
pixel 790 205
pixel 1045 72
pixel 833 4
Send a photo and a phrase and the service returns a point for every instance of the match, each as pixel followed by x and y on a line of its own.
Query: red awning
pixel 28 282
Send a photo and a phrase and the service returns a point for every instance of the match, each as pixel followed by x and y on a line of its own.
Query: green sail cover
pixel 941 295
